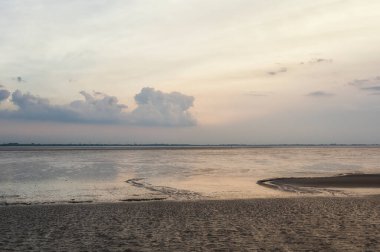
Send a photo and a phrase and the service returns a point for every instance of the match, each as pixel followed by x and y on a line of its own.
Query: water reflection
pixel 100 175
pixel 41 166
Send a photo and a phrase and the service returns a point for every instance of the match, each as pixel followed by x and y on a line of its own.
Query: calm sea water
pixel 114 174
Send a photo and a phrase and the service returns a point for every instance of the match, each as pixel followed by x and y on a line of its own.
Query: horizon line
pixel 14 144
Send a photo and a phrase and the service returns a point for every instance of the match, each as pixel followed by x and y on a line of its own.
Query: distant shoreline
pixel 185 145
pixel 111 147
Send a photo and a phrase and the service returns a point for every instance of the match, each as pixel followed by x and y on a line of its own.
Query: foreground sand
pixel 292 224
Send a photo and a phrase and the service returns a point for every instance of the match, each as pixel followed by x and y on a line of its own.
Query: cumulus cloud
pixel 319 94
pixel 4 94
pixel 32 107
pixel 98 107
pixel 278 71
pixel 154 108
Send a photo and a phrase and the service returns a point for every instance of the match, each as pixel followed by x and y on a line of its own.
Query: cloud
pixel 373 88
pixel 154 108
pixel 30 107
pixel 317 61
pixel 319 94
pixel 281 70
pixel 19 79
pixel 370 85
pixel 98 107
pixel 365 82
pixel 4 94
pixel 258 94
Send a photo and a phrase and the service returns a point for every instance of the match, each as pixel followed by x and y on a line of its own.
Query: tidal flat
pixel 272 224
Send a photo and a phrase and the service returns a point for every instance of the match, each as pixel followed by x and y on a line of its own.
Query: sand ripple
pixel 295 224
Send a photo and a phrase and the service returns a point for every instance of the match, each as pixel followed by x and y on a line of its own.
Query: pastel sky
pixel 190 71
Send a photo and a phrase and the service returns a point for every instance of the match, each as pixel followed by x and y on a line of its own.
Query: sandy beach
pixel 289 224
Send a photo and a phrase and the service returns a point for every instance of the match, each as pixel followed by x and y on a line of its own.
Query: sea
pixel 74 174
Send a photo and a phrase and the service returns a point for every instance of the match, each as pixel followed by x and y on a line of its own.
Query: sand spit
pixel 289 224
pixel 308 184
pixel 142 199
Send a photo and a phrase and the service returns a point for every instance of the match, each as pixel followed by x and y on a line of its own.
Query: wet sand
pixel 340 181
pixel 288 224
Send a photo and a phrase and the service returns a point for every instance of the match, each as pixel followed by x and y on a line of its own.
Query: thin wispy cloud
pixel 19 79
pixel 278 71
pixel 320 94
pixel 371 85
pixel 154 108
pixel 316 61
pixel 364 83
pixel 258 93
pixel 373 88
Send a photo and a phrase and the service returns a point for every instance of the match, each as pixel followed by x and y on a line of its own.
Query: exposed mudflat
pixel 288 224
pixel 164 191
pixel 303 184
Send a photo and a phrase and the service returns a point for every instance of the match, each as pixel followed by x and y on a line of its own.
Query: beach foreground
pixel 316 224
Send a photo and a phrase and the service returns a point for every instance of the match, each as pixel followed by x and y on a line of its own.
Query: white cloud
pixel 155 108
pixel 30 107
pixel 98 107
pixel 163 109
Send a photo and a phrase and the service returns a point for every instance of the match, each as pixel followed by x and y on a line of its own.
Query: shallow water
pixel 35 175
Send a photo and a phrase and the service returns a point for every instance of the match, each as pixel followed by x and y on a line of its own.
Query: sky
pixel 190 71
